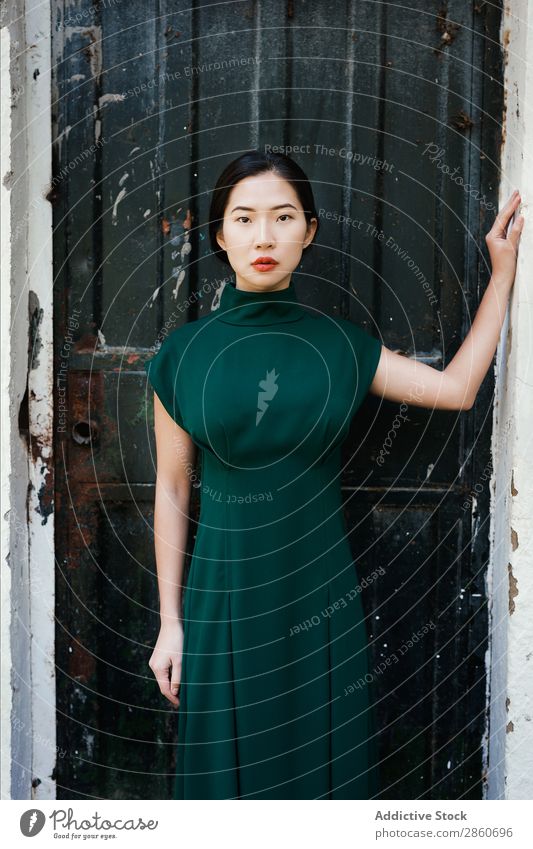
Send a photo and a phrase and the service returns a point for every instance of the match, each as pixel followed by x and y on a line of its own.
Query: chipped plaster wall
pixel 27 628
pixel 510 755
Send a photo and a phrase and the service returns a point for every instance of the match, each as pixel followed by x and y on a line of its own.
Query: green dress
pixel 272 705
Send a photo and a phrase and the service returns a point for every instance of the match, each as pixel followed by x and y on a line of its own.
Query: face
pixel 264 219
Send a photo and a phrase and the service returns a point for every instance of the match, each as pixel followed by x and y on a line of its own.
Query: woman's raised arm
pixel 400 378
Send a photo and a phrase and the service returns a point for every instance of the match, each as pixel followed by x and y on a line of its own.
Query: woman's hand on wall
pixel 503 240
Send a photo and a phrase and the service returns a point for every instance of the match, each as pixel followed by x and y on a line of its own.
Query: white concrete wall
pixel 510 761
pixel 27 628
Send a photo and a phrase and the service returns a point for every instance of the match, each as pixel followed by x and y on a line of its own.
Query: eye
pixel 242 216
pixel 285 215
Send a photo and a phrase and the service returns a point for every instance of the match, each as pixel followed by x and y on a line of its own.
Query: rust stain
pixel 93 52
pixel 165 226
pixel 506 38
pixel 170 32
pixel 462 121
pixel 514 539
pixel 187 223
pixel 86 344
pixel 81 663
pixel 448 29
pixel 513 589
pixel 514 490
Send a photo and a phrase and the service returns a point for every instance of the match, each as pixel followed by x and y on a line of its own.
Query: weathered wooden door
pixel 394 113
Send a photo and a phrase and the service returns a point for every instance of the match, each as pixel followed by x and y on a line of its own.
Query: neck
pixel 255 307
pixel 245 286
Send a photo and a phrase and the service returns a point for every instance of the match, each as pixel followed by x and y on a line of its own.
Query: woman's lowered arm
pixel 176 453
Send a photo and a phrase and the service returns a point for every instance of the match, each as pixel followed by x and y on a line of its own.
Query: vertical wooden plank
pixel 131 168
pixel 77 149
pixel 225 75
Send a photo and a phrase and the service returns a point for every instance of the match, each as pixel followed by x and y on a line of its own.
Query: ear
pixel 311 230
pixel 220 239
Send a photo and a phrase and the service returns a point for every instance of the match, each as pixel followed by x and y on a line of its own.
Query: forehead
pixel 262 191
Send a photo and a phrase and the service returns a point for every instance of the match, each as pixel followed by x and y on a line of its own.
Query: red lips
pixel 264 263
pixel 264 260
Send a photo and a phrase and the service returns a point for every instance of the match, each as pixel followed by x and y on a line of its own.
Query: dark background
pixel 133 172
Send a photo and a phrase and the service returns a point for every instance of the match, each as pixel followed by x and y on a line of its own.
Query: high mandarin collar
pixel 240 306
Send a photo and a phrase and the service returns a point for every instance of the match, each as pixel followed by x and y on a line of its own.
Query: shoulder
pixel 172 340
pixel 362 347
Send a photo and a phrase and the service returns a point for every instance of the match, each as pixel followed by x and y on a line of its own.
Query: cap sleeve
pixel 164 373
pixel 366 351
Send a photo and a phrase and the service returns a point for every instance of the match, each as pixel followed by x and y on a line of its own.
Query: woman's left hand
pixel 503 245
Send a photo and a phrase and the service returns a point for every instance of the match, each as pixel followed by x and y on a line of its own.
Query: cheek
pixel 234 235
pixel 294 235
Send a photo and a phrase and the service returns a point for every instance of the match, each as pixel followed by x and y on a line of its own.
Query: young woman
pixel 263 655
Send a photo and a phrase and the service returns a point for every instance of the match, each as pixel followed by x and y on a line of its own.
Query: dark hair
pixel 250 164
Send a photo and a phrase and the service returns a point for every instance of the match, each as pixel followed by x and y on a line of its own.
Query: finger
pixel 168 694
pixel 164 686
pixel 499 228
pixel 516 231
pixel 175 677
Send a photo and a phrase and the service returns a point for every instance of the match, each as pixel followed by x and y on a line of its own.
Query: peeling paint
pixel 514 539
pixel 111 97
pixel 514 490
pixel 180 278
pixel 513 588
pixel 155 293
pixel 121 195
pixel 35 319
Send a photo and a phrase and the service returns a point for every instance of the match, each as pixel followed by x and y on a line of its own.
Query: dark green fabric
pixel 274 627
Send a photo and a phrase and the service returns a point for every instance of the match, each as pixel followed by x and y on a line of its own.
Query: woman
pixel 264 659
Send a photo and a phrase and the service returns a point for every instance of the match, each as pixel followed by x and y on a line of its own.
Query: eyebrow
pixel 251 209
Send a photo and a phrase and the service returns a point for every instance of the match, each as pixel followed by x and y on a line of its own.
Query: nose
pixel 263 236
